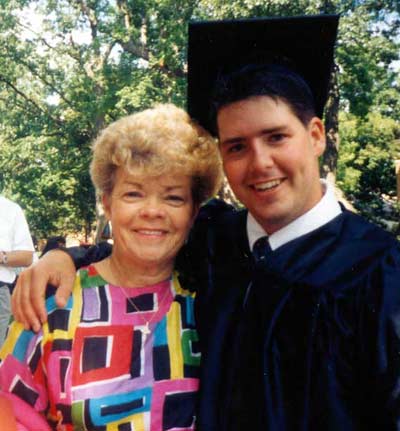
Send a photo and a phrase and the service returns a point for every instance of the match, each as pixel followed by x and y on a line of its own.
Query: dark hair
pixel 52 243
pixel 276 81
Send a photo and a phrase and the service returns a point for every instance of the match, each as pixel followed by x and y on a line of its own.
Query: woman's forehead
pixel 171 179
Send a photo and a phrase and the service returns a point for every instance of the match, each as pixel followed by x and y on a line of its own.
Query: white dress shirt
pixel 324 211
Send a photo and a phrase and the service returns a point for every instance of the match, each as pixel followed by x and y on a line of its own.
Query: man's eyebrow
pixel 234 140
pixel 274 129
pixel 267 131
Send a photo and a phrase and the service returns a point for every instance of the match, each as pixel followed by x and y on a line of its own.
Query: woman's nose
pixel 152 208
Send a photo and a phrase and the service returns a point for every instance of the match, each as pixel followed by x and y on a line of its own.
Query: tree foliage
pixel 84 63
pixel 369 147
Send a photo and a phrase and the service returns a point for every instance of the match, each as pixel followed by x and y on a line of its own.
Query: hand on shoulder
pixel 28 300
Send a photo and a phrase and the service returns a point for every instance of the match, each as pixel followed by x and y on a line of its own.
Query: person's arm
pixel 57 267
pixel 16 258
pixel 20 249
pixel 193 258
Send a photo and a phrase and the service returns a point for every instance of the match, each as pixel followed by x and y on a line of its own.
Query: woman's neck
pixel 129 274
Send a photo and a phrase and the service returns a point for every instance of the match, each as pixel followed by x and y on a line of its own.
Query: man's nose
pixel 262 157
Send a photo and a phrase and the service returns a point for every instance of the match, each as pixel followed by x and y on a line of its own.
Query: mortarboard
pixel 219 47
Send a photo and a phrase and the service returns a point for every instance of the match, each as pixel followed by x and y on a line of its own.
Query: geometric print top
pixel 92 366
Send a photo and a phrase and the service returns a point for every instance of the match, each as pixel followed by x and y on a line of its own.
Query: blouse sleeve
pixel 22 378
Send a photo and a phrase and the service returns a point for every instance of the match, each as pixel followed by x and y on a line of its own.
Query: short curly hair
pixel 156 141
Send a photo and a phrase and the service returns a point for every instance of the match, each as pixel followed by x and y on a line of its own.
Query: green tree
pixel 369 146
pixel 57 91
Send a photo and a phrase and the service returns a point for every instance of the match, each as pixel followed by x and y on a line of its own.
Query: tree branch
pixel 90 15
pixel 29 100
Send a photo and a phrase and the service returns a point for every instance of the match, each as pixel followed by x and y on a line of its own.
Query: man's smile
pixel 266 185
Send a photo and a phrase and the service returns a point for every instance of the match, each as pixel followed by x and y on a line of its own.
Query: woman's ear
pixel 106 202
pixel 317 133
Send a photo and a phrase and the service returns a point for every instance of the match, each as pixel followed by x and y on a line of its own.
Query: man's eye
pixel 235 148
pixel 277 137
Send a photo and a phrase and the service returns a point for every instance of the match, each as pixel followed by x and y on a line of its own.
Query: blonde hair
pixel 157 141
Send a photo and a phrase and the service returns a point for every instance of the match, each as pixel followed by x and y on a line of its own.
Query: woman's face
pixel 151 217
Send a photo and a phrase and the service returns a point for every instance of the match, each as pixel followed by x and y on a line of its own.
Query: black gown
pixel 308 340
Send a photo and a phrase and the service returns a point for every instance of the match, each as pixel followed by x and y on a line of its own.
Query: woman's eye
pixel 175 199
pixel 132 194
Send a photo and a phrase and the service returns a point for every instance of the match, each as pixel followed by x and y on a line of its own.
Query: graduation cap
pixel 304 44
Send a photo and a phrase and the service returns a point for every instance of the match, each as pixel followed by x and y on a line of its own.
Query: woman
pixel 122 355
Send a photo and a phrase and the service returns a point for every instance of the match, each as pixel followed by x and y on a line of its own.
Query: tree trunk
pixel 330 156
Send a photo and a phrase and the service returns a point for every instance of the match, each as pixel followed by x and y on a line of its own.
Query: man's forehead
pixel 259 115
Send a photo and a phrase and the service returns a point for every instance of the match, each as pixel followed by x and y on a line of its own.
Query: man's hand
pixel 28 300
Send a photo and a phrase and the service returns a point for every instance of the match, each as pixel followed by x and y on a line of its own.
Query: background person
pixel 299 331
pixel 16 250
pixel 52 243
pixel 123 353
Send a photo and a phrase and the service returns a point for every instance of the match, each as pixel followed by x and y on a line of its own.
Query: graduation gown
pixel 309 340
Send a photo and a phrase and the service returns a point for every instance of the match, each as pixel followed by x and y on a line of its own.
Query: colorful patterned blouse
pixel 93 367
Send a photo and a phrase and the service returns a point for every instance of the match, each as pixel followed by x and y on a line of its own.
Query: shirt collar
pixel 323 212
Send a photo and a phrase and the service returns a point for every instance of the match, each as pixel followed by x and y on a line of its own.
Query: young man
pixel 305 335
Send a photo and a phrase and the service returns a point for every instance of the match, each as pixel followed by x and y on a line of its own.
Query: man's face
pixel 271 159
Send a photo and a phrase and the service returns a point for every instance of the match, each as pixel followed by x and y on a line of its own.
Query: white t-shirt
pixel 14 234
